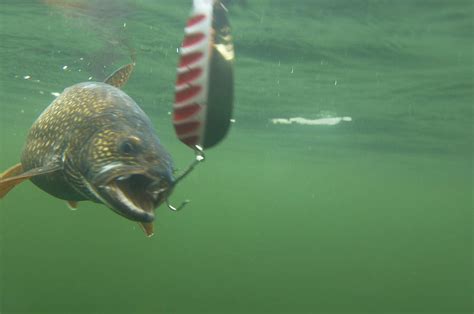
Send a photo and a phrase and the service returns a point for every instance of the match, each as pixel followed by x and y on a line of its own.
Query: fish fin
pixel 15 175
pixel 120 77
pixel 72 204
pixel 10 172
pixel 147 228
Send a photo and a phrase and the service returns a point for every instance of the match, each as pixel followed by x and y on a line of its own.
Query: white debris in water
pixel 292 70
pixel 280 121
pixel 55 94
pixel 125 24
pixel 335 82
pixel 169 113
pixel 26 77
pixel 304 121
pixel 177 50
pixel 232 120
pixel 65 67
pixel 90 78
pixel 81 58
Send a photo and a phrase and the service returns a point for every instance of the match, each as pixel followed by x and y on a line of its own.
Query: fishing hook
pixel 199 157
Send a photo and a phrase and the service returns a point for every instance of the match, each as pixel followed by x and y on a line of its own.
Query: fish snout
pixel 162 184
pixel 162 174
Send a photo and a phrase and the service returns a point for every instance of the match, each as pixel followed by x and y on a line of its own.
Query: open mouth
pixel 135 196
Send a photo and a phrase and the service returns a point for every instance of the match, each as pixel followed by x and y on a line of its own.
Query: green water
pixel 372 215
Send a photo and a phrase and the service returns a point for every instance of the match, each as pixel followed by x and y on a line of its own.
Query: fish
pixel 94 143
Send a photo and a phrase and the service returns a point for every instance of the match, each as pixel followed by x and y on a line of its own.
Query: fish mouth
pixel 135 195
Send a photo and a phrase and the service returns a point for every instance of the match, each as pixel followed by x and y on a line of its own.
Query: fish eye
pixel 130 146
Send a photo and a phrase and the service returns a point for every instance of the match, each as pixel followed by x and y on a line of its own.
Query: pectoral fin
pixel 147 228
pixel 15 175
pixel 120 76
pixel 72 205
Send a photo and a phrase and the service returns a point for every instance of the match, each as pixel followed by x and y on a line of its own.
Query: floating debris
pixel 304 121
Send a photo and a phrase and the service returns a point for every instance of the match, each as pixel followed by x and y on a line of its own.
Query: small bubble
pixel 26 77
pixel 65 67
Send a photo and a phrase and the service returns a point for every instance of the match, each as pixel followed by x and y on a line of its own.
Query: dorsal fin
pixel 120 76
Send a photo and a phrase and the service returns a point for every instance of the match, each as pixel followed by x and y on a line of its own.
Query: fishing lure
pixel 202 110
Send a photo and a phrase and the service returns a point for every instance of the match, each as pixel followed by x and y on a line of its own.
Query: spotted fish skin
pixel 82 133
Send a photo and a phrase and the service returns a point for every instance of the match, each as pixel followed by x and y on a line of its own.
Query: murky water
pixel 292 213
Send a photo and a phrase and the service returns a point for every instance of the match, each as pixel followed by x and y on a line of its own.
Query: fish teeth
pixel 123 177
pixel 157 193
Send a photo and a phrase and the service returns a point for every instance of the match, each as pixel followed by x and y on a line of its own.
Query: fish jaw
pixel 134 194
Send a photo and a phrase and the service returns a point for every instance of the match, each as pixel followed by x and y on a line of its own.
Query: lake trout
pixel 93 142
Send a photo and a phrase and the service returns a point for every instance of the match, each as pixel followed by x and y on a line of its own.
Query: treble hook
pixel 175 209
pixel 199 157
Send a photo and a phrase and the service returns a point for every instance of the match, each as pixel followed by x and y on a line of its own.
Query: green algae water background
pixel 369 215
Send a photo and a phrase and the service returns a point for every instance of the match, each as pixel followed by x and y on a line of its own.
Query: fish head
pixel 128 170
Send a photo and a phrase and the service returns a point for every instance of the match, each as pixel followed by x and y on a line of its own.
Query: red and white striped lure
pixel 204 86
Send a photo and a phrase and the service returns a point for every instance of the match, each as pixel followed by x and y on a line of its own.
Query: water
pixel 369 215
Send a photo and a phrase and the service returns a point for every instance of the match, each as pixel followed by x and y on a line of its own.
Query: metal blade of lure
pixel 204 89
